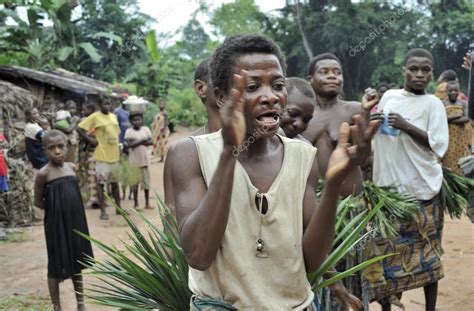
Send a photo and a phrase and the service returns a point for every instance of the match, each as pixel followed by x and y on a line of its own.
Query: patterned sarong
pixel 418 262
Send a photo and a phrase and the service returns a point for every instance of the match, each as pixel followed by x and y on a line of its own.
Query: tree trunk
pixel 299 14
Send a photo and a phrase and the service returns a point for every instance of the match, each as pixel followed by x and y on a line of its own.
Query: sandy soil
pixel 23 264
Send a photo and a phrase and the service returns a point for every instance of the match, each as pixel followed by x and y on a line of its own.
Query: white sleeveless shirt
pixel 237 276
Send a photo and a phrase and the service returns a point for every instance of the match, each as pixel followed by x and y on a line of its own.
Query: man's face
pixel 56 148
pixel 418 72
pixel 453 92
pixel 327 79
pixel 264 94
pixel 105 107
pixel 299 112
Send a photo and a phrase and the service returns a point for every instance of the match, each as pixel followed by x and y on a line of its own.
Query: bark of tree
pixel 299 17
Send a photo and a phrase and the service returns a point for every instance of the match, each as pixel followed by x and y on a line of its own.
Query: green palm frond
pixel 397 208
pixel 455 192
pixel 151 271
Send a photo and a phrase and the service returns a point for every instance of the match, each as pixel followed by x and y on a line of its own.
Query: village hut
pixel 16 206
pixel 59 85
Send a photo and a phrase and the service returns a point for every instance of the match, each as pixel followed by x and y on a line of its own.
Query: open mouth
pixel 269 119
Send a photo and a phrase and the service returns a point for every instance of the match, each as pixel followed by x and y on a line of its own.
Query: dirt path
pixel 23 264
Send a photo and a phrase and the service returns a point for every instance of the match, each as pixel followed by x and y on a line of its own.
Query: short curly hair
pixel 320 57
pixel 301 85
pixel 233 47
pixel 202 71
pixel 418 52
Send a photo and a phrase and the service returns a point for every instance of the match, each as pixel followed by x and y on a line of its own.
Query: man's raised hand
pixel 370 99
pixel 353 148
pixel 232 112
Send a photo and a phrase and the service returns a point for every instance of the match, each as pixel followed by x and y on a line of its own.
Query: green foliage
pixel 382 31
pixel 149 114
pixel 112 41
pixel 396 209
pixel 185 108
pixel 26 303
pixel 149 273
pixel 195 40
pixel 241 16
pixel 455 192
pixel 127 174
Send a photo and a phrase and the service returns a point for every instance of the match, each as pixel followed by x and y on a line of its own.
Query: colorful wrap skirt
pixel 418 250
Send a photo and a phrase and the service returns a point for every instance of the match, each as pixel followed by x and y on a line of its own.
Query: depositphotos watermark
pixel 250 140
pixel 376 31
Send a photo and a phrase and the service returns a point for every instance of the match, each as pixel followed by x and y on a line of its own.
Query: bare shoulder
pixel 42 174
pixel 184 155
pixel 71 165
pixel 353 107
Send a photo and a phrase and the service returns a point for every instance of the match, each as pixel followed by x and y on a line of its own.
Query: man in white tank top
pixel 248 219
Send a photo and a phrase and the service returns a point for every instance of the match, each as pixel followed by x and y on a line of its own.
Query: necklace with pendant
pixel 260 244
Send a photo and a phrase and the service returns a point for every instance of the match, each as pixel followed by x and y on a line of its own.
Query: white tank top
pixel 237 276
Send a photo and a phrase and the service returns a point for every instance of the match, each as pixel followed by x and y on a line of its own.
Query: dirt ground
pixel 23 264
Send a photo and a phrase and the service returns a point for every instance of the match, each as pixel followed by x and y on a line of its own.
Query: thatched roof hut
pixel 14 101
pixel 56 86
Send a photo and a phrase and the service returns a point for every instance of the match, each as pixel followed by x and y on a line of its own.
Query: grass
pixel 16 237
pixel 26 303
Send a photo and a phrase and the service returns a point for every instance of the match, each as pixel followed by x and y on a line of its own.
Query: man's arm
pixel 318 220
pixel 202 213
pixel 83 133
pixel 168 181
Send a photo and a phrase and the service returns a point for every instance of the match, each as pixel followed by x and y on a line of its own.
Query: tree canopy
pixel 113 41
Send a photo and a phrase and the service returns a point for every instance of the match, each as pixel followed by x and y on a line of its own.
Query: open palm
pixel 232 113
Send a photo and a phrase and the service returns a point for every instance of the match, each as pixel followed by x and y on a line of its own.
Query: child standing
pixel 137 139
pixel 58 193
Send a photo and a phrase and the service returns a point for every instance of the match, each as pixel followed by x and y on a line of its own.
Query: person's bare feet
pixel 137 208
pixel 148 206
